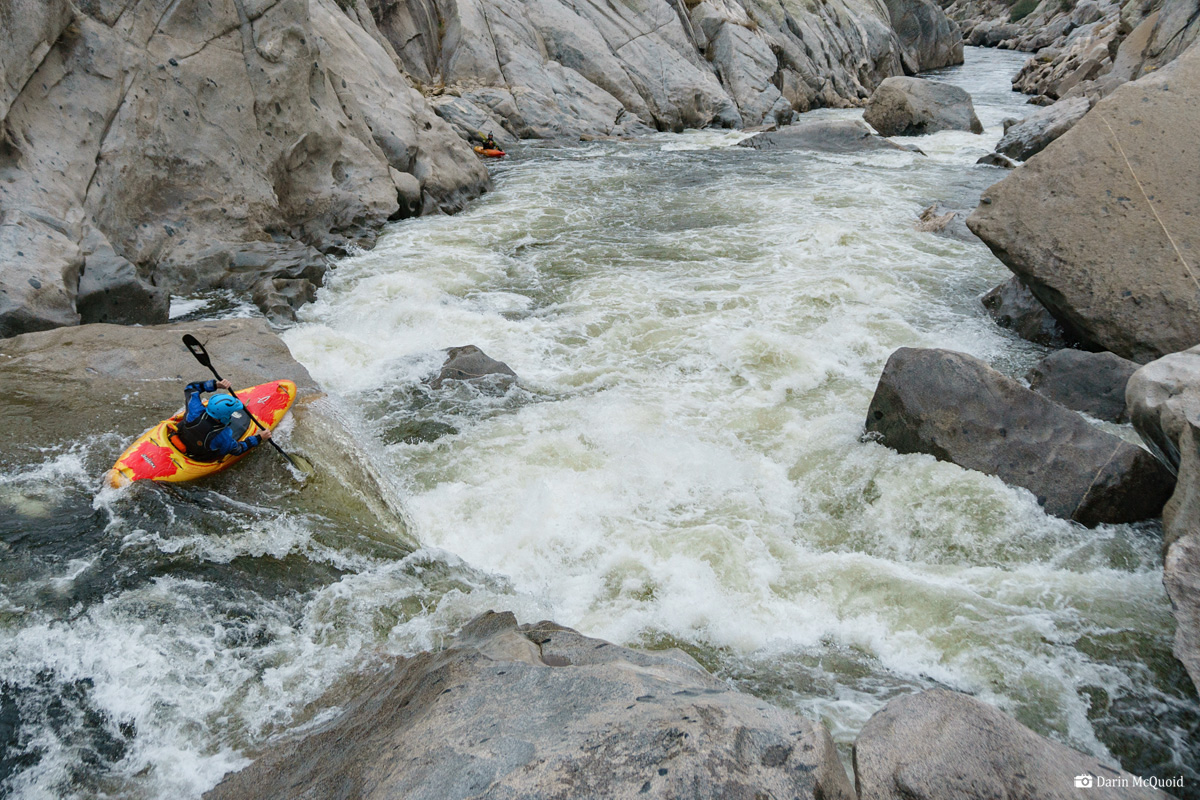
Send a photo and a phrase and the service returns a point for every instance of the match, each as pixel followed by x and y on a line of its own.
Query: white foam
pixel 181 306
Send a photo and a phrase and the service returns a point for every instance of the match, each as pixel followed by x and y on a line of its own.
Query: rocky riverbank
pixel 151 149
pixel 1099 233
pixel 554 69
pixel 540 711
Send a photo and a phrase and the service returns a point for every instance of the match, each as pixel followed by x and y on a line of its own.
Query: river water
pixel 698 329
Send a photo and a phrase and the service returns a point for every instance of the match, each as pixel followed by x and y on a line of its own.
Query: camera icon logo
pixel 1084 781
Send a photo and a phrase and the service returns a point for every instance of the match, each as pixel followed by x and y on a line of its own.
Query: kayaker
pixel 205 433
pixel 489 143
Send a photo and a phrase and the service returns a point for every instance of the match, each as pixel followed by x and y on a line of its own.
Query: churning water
pixel 698 329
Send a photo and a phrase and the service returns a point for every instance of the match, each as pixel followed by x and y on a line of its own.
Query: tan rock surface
pixel 1102 225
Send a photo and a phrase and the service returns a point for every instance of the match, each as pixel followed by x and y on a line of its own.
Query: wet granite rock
pixel 472 365
pixel 826 135
pixel 280 298
pixel 958 409
pixel 1093 383
pixel 1013 306
pixel 915 107
pixel 541 712
pixel 996 160
pixel 943 745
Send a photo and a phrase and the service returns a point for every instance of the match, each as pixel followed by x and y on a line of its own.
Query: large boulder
pixel 1093 383
pixel 993 33
pixel 185 140
pixel 943 745
pixel 1013 306
pixel 1100 225
pixel 915 107
pixel 107 384
pixel 1031 135
pixel 826 135
pixel 1164 406
pixel 543 712
pixel 1181 575
pixel 958 409
pixel 1164 402
pixel 127 378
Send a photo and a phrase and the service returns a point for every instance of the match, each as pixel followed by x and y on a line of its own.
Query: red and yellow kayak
pixel 481 151
pixel 154 457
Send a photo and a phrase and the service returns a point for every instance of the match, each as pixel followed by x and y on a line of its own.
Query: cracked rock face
pixel 178 137
pixel 569 68
pixel 1164 406
pixel 543 712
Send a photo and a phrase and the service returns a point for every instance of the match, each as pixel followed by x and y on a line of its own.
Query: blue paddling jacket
pixel 203 437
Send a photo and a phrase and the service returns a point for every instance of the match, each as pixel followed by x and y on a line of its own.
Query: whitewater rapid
pixel 698 329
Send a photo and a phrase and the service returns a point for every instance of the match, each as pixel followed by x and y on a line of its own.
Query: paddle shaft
pixel 202 356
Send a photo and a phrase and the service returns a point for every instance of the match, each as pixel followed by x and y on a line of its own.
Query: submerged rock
pixel 543 712
pixel 1093 383
pixel 996 160
pixel 943 745
pixel 826 135
pixel 915 107
pixel 470 364
pixel 1100 225
pixel 949 222
pixel 958 409
pixel 1013 306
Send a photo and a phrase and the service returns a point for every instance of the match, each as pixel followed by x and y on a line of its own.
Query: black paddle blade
pixel 197 349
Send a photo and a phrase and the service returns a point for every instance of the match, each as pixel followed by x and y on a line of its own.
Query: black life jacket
pixel 195 438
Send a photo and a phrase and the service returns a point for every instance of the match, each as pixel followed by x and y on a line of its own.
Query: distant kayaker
pixel 489 143
pixel 206 433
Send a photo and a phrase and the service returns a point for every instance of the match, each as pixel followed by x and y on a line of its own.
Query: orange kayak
pixel 153 456
pixel 479 150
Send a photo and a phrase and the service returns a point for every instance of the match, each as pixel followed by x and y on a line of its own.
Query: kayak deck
pixel 153 456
